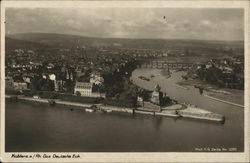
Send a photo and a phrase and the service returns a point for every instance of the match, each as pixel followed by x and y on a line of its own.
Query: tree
pixel 78 93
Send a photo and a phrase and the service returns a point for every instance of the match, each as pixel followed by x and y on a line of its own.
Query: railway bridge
pixel 167 65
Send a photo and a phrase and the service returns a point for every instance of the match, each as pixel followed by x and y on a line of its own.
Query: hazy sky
pixel 209 24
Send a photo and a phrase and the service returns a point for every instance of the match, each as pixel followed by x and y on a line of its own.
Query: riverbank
pixel 229 96
pixel 196 113
pixel 217 99
pixel 181 86
pixel 83 106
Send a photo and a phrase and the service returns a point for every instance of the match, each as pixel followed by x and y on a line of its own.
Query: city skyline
pixel 154 23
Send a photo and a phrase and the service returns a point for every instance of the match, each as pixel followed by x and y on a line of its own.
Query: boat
pixel 108 111
pixel 89 110
pixel 144 78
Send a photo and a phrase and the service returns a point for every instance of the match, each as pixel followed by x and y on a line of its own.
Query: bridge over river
pixel 166 65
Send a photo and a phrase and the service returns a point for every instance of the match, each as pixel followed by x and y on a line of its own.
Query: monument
pixel 156 95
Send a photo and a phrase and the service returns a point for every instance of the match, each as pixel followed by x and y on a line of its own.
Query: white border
pixel 129 156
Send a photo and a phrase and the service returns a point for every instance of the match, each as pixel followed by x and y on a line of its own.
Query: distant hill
pixel 58 40
pixel 11 43
pixel 68 41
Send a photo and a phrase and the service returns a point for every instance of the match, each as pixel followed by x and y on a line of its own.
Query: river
pixel 43 128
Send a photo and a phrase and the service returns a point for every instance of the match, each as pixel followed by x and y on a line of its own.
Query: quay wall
pixel 117 109
pixel 207 116
pixel 33 99
pixel 169 114
pixel 180 113
pixel 67 103
pixel 144 112
pixel 82 105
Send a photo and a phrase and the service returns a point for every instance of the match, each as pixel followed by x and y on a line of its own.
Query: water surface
pixel 43 128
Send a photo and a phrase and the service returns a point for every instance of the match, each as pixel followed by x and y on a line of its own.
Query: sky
pixel 163 23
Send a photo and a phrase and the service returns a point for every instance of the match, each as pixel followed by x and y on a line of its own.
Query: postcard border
pixel 138 156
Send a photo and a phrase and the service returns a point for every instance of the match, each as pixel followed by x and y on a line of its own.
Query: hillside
pixel 69 41
pixel 11 43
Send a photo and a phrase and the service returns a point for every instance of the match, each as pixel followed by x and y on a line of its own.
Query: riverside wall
pixel 212 117
pixel 227 102
pixel 182 87
pixel 75 104
pixel 117 109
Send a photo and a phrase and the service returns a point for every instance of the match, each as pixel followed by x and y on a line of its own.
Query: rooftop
pixel 85 85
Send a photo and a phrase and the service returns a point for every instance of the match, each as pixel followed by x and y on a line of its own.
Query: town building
pixel 59 85
pixel 96 78
pixel 79 72
pixel 84 88
pixel 20 85
pixel 9 82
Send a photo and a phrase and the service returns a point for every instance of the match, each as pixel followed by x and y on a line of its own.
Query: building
pixel 84 88
pixel 59 85
pixel 20 85
pixel 153 103
pixel 9 82
pixel 27 79
pixel 79 72
pixel 96 78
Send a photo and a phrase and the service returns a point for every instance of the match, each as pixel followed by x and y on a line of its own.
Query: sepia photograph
pixel 123 80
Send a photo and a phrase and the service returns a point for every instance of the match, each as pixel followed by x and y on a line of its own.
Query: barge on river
pixel 144 78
